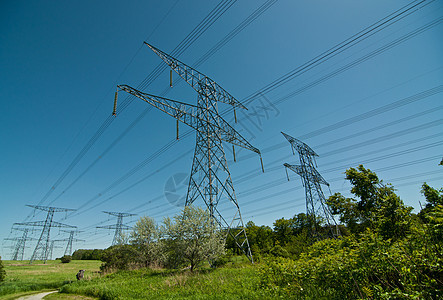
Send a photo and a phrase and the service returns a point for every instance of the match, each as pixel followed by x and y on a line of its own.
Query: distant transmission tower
pixel 70 240
pixel 316 208
pixel 51 249
pixel 19 248
pixel 119 226
pixel 210 179
pixel 41 250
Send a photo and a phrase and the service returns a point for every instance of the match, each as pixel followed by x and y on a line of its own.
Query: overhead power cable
pixel 387 107
pixel 344 45
pixel 208 54
pixel 216 13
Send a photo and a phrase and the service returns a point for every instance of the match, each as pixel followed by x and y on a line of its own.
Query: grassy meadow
pixel 22 277
pixel 233 282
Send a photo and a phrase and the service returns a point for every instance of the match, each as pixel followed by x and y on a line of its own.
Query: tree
pixel 260 238
pixel 120 257
pixel 377 206
pixel 193 237
pixel 145 237
pixel 433 196
pixel 2 270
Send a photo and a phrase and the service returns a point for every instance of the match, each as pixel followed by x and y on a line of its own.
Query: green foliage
pixel 193 237
pixel 87 254
pixel 433 197
pixel 145 237
pixel 120 257
pixel 369 267
pixel 377 206
pixel 66 259
pixel 260 238
pixel 2 270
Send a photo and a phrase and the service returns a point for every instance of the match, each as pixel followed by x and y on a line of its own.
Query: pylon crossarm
pixel 194 78
pixel 312 175
pixel 299 145
pixel 187 113
pixel 48 208
pixel 122 226
pixel 42 223
pixel 228 134
pixel 118 214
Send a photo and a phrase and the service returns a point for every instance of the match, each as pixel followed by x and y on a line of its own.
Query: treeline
pixel 88 254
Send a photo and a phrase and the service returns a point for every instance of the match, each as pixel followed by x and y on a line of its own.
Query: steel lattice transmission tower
pixel 119 226
pixel 70 240
pixel 316 208
pixel 19 248
pixel 210 179
pixel 42 248
pixel 51 248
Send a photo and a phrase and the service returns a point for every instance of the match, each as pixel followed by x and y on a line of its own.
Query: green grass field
pixel 237 280
pixel 233 282
pixel 22 277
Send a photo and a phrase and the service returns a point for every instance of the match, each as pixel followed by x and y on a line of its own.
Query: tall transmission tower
pixel 70 240
pixel 41 250
pixel 19 248
pixel 119 226
pixel 210 179
pixel 316 208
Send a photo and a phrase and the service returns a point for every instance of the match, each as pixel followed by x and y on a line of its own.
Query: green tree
pixel 260 238
pixel 193 236
pixel 145 237
pixel 377 206
pixel 433 196
pixel 120 257
pixel 2 270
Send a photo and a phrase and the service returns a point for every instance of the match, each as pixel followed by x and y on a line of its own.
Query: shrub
pixel 66 259
pixel 120 257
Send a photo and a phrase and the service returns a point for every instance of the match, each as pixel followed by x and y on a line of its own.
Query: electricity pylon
pixel 51 248
pixel 19 248
pixel 119 226
pixel 210 179
pixel 316 208
pixel 70 239
pixel 41 250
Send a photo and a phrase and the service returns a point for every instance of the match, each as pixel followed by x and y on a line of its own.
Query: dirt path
pixel 36 296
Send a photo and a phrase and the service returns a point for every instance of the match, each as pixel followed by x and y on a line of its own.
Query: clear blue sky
pixel 60 62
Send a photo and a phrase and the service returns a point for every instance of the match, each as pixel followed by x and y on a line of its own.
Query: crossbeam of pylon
pixel 316 208
pixel 119 226
pixel 70 240
pixel 210 179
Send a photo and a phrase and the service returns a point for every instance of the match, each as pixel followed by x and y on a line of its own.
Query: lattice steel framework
pixel 19 248
pixel 70 240
pixel 316 208
pixel 42 248
pixel 119 226
pixel 51 248
pixel 210 179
